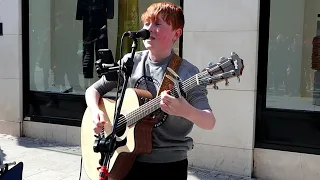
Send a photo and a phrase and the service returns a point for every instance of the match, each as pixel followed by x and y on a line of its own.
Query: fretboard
pixel 154 104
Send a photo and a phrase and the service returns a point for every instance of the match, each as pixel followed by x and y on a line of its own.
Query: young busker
pixel 170 143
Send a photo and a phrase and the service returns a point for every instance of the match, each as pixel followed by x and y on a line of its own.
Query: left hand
pixel 172 105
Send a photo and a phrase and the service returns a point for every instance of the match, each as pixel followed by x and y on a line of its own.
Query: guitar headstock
pixel 225 69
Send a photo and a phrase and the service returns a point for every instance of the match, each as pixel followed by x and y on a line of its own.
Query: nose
pixel 149 27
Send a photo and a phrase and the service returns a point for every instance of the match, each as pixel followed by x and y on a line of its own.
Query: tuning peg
pixel 222 58
pixel 215 87
pixel 210 63
pixel 227 82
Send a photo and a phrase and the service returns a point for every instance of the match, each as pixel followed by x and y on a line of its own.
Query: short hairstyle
pixel 171 14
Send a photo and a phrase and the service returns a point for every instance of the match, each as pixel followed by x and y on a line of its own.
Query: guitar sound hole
pixel 120 132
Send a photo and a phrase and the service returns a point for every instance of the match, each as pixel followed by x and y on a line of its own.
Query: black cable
pixel 80 168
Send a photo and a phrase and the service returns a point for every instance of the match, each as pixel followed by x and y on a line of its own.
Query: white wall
pixel 10 68
pixel 284 165
pixel 214 28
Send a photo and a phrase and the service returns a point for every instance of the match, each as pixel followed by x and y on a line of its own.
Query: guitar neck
pixel 154 104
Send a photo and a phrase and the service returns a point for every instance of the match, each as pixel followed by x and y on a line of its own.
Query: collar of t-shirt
pixel 161 62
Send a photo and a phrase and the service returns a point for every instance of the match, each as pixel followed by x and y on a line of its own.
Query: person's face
pixel 162 36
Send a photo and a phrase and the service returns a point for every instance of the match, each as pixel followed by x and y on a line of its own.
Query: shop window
pixel 55 37
pixel 63 35
pixel 294 55
pixel 288 86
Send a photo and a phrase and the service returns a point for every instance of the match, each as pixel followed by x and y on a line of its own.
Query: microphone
pixel 143 33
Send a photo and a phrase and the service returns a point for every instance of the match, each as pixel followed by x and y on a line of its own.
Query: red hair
pixel 171 14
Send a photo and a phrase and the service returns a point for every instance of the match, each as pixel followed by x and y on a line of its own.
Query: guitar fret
pixel 154 104
pixel 209 76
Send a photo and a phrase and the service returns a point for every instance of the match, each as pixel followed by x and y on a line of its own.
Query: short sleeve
pixel 197 96
pixel 104 86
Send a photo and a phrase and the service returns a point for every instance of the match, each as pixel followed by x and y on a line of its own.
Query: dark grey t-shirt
pixel 170 141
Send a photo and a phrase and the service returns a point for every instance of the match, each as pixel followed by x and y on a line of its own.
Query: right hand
pixel 98 120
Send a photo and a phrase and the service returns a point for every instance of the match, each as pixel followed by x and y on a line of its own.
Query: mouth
pixel 151 38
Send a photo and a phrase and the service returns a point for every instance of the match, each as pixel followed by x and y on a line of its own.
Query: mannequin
pixel 94 14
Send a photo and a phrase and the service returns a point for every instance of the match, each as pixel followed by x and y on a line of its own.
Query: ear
pixel 177 34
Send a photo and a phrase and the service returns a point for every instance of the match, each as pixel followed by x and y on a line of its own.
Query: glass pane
pixel 294 55
pixel 63 39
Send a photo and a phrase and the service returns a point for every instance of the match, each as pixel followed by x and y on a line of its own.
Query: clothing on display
pixel 94 14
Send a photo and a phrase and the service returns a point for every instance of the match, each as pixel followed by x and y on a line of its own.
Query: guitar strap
pixel 174 64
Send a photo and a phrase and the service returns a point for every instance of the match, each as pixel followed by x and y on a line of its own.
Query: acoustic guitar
pixel 134 128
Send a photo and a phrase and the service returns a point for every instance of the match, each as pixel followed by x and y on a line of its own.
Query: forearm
pixel 202 118
pixel 92 97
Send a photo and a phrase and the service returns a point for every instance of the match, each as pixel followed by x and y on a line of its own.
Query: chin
pixel 148 46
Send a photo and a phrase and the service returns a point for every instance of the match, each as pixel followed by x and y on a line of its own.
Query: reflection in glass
pixel 292 81
pixel 65 35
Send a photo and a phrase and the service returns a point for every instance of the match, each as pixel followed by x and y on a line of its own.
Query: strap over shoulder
pixel 174 64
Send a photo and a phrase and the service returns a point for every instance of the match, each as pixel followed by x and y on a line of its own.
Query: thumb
pixel 101 118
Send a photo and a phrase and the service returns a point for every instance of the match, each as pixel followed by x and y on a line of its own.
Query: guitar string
pixel 189 82
pixel 141 113
pixel 150 106
pixel 123 119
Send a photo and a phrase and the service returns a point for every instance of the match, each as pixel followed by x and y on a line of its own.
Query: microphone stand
pixel 108 145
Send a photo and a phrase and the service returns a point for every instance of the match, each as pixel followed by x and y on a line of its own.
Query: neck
pixel 158 56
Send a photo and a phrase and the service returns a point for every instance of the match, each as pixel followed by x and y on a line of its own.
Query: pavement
pixel 54 161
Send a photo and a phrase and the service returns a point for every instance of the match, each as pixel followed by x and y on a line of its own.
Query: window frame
pixel 280 129
pixel 49 107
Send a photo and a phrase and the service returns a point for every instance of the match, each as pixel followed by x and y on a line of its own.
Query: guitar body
pixel 136 139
